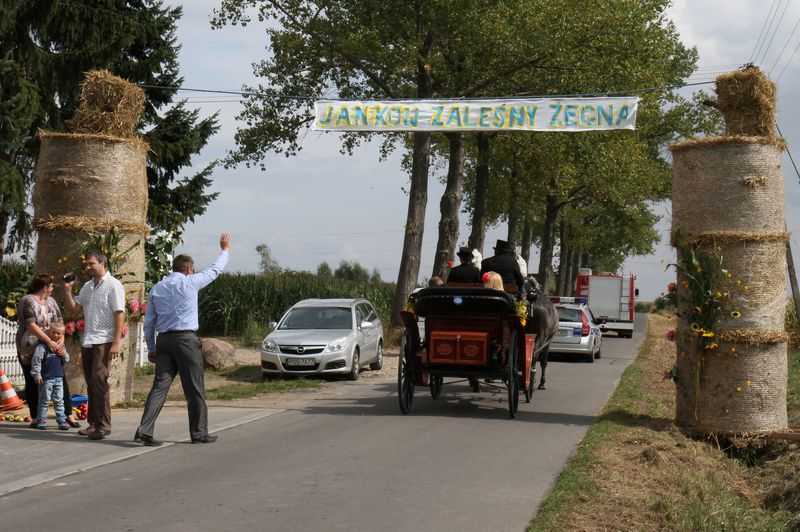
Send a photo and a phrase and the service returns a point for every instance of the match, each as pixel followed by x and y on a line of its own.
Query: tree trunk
pixel 572 272
pixel 548 234
pixel 563 258
pixel 527 240
pixel 513 206
pixel 415 224
pixel 479 210
pixel 449 206
pixel 793 279
pixel 4 217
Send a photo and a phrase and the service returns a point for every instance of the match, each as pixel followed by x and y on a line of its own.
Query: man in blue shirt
pixel 172 311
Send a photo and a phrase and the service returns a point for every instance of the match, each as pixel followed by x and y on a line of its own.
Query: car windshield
pixel 318 318
pixel 569 314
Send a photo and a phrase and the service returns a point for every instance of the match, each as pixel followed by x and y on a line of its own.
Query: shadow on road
pixel 456 401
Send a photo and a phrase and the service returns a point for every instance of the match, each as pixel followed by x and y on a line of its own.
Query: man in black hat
pixel 505 263
pixel 464 272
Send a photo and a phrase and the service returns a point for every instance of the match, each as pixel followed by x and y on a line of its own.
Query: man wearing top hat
pixel 505 263
pixel 464 272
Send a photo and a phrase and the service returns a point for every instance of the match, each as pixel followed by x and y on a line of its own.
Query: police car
pixel 578 332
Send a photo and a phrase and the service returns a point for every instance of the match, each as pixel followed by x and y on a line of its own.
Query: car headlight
pixel 337 345
pixel 269 345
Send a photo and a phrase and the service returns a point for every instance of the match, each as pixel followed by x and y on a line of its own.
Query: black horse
pixel 542 320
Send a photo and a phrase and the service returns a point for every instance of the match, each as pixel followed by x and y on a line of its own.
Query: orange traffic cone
pixel 8 397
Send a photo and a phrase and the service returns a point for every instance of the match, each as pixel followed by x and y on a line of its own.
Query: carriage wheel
pixel 512 376
pixel 405 373
pixel 436 386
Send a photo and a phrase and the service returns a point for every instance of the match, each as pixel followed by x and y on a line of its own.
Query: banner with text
pixel 540 114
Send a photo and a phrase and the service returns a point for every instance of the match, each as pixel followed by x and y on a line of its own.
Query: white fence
pixel 8 352
pixel 8 349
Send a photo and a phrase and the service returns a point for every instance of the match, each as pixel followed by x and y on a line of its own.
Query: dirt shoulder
pixel 247 372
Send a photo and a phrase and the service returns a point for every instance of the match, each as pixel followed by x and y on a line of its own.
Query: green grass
pixel 793 397
pixel 703 500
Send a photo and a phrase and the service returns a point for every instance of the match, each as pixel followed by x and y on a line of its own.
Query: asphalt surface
pixel 346 459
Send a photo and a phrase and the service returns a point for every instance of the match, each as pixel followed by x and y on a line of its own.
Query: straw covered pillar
pixel 87 183
pixel 729 229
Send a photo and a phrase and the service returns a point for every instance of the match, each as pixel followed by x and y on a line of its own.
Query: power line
pixel 775 31
pixel 757 46
pixel 297 97
pixel 785 45
pixel 788 62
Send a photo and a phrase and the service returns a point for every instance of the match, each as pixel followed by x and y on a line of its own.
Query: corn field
pixel 233 300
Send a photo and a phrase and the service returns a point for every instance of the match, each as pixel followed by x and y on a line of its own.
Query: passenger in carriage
pixel 492 280
pixel 504 262
pixel 465 272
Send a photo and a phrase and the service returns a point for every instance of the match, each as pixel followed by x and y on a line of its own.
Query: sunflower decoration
pixel 706 286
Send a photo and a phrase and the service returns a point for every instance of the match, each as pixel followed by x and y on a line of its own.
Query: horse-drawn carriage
pixel 471 334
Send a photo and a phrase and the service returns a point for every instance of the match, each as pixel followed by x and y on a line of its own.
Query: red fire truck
pixel 611 297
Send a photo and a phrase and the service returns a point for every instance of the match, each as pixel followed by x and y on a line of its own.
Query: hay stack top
pixel 108 105
pixel 746 99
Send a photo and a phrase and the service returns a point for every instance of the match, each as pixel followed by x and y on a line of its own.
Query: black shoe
pixel 98 434
pixel 145 440
pixel 205 439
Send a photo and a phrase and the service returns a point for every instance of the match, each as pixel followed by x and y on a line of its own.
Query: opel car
pixel 324 337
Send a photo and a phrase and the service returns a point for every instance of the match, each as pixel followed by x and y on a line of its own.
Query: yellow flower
pixel 738 388
pixel 736 314
pixel 718 294
pixel 697 309
pixel 730 275
pixel 699 269
pixel 733 350
pixel 738 282
pixel 748 382
pixel 11 311
pixel 746 288
pixel 709 334
pixel 685 284
pixel 712 345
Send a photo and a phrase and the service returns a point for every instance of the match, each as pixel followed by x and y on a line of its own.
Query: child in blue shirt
pixel 47 370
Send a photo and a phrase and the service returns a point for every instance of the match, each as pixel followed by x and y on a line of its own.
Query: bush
pixel 15 277
pixel 644 306
pixel 229 303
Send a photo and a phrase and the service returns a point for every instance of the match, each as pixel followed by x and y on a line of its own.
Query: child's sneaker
pixel 41 425
pixel 63 425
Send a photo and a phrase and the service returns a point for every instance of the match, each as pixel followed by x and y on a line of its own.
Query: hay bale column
pixel 90 181
pixel 728 199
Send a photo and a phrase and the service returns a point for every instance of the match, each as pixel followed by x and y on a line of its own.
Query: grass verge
pixel 635 470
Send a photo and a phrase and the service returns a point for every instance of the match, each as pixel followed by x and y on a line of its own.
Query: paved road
pixel 347 460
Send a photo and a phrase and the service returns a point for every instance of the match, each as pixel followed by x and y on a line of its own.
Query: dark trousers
pixel 95 370
pixel 178 353
pixel 32 393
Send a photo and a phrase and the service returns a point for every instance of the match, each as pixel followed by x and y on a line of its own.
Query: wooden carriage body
pixel 470 333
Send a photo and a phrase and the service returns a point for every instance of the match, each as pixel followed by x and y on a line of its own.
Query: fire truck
pixel 611 297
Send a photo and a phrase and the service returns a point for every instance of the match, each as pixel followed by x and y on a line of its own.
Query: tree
pixel 324 270
pixel 269 265
pixel 47 46
pixel 351 271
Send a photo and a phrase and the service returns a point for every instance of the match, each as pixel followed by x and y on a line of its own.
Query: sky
pixel 324 206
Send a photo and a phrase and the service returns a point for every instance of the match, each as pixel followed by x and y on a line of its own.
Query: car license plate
pixel 300 362
pixel 564 332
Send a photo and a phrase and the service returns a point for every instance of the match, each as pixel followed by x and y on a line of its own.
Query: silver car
pixel 322 337
pixel 578 331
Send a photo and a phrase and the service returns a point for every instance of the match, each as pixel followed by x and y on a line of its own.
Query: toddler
pixel 47 370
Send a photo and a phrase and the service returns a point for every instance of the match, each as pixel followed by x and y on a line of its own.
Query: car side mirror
pixel 601 321
pixel 366 324
pixel 636 292
pixel 271 325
